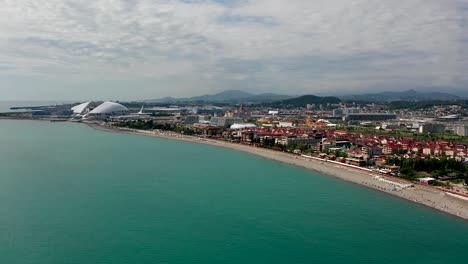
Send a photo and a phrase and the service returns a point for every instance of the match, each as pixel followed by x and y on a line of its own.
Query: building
pixel 207 129
pixel 357 160
pixel 431 128
pixel 208 110
pixel 204 119
pixel 461 130
pixel 394 170
pixel 390 149
pixel 428 151
pixel 325 145
pixel 242 126
pixel 305 141
pixel 369 116
pixel 372 151
pixel 247 135
pixel 338 112
pixel 192 119
pixel 449 117
pixel 106 110
pixel 390 126
pixel 352 110
pixel 127 117
pixel 226 121
pixel 40 113
pixel 426 180
pixel 285 124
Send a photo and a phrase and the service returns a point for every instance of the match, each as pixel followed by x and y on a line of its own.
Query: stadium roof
pixel 108 108
pixel 79 109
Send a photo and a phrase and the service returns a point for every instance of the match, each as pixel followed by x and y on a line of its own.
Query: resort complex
pixel 422 146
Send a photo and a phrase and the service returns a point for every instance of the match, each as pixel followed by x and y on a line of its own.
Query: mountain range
pixel 229 96
pixel 409 95
pixel 238 96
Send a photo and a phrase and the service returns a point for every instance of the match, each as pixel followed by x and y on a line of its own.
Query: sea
pixel 6 105
pixel 72 194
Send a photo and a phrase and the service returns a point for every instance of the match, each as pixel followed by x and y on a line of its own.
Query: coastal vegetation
pixel 443 168
pixel 150 124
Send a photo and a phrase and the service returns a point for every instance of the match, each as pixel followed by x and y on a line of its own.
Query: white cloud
pixel 352 44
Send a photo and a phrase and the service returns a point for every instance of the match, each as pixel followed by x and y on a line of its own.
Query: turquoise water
pixel 70 194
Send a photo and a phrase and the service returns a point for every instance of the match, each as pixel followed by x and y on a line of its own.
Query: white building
pixel 431 128
pixel 106 110
pixel 426 180
pixel 226 121
pixel 285 124
pixel 461 130
pixel 242 126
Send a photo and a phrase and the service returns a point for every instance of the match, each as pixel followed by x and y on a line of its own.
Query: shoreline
pixel 438 199
pixel 424 195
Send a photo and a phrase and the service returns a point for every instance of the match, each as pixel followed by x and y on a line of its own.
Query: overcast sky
pixel 137 49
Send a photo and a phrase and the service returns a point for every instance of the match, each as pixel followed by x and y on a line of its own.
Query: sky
pixel 142 49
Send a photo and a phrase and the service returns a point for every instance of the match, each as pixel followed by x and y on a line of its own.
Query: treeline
pixel 302 101
pixel 411 168
pixel 150 124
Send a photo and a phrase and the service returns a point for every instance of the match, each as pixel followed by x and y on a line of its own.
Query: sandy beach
pixel 421 194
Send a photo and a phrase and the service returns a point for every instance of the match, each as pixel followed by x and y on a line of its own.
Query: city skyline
pixel 129 50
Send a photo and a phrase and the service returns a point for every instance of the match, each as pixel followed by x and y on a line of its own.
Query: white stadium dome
pixel 79 109
pixel 109 108
pixel 242 126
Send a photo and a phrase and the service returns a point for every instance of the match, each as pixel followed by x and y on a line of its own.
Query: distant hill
pixel 409 95
pixel 161 100
pixel 269 97
pixel 229 96
pixel 302 101
pixel 226 96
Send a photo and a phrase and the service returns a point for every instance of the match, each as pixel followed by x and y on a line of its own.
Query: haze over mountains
pixel 239 96
pixel 231 96
pixel 409 95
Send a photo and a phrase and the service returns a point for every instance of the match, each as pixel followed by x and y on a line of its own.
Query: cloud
pixel 197 46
